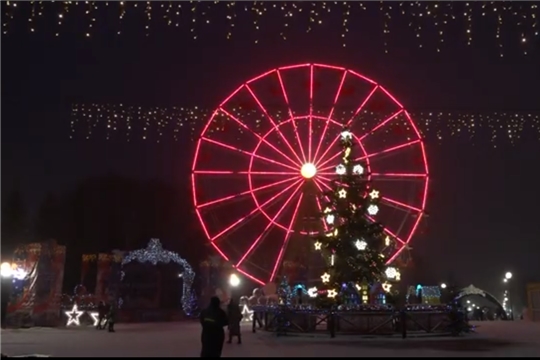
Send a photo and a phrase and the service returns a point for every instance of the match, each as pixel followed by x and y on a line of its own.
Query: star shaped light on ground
pixel 325 277
pixel 95 317
pixel 73 316
pixel 247 313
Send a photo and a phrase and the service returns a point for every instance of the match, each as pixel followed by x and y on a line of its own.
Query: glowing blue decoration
pixel 154 254
pixel 302 287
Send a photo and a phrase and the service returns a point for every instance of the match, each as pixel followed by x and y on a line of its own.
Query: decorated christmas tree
pixel 354 242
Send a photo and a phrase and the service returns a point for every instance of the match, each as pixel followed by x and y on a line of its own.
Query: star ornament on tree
pixel 325 277
pixel 374 194
pixel 74 316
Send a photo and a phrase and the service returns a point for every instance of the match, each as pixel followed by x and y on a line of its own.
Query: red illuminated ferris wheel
pixel 269 150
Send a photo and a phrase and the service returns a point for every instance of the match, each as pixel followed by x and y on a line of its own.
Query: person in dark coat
pixel 102 312
pixel 235 316
pixel 111 316
pixel 213 320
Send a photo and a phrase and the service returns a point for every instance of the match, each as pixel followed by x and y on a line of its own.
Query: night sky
pixel 483 198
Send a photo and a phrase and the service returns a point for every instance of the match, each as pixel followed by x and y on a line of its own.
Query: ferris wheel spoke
pixel 291 116
pixel 250 276
pixel 362 104
pixel 261 138
pixel 310 119
pixel 325 179
pixel 388 231
pixel 270 173
pixel 257 208
pixel 256 242
pixel 319 204
pixel 321 165
pixel 248 192
pixel 399 205
pixel 247 153
pixel 319 182
pixel 286 239
pixel 383 123
pixel 263 109
pixel 330 114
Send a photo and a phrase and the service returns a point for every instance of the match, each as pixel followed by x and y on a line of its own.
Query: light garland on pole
pixel 154 254
pixel 420 19
pixel 131 123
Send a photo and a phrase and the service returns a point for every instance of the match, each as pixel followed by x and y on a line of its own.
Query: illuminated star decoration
pixel 325 277
pixel 247 313
pixel 73 316
pixel 374 194
pixel 95 317
pixel 318 245
pixel 342 193
pixel 332 293
pixel 386 287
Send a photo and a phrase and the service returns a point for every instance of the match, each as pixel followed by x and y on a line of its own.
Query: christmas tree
pixel 354 242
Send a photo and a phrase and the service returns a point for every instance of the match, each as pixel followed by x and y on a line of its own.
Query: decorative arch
pixel 473 290
pixel 154 254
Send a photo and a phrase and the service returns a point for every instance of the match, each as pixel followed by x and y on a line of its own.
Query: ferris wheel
pixel 269 150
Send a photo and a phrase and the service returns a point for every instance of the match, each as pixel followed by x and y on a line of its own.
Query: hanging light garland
pixel 424 19
pixel 128 123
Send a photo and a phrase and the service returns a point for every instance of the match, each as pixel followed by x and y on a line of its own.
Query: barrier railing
pixel 282 320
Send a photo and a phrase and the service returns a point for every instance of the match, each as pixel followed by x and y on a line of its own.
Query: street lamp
pixel 6 270
pixel 506 279
pixel 234 280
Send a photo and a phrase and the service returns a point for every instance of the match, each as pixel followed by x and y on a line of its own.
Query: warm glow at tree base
pixel 308 170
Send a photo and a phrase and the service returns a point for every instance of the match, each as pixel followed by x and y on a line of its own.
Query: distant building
pixel 533 297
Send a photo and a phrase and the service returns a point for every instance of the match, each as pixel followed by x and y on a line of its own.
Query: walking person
pixel 111 316
pixel 102 311
pixel 235 317
pixel 213 320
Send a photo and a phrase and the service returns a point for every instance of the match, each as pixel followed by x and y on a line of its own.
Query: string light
pixel 422 18
pixel 154 254
pixel 127 123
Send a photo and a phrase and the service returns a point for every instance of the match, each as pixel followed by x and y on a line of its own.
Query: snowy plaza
pixel 500 338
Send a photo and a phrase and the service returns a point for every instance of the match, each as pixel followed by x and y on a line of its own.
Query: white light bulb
pixel 358 169
pixel 360 245
pixel 346 135
pixel 391 273
pixel 312 292
pixel 373 209
pixel 340 169
pixel 330 219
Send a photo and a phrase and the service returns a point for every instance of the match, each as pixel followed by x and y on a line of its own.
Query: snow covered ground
pixel 517 338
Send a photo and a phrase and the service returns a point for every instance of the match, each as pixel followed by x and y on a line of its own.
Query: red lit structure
pixel 248 159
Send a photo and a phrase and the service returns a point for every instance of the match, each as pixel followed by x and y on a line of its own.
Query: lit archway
pixel 154 254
